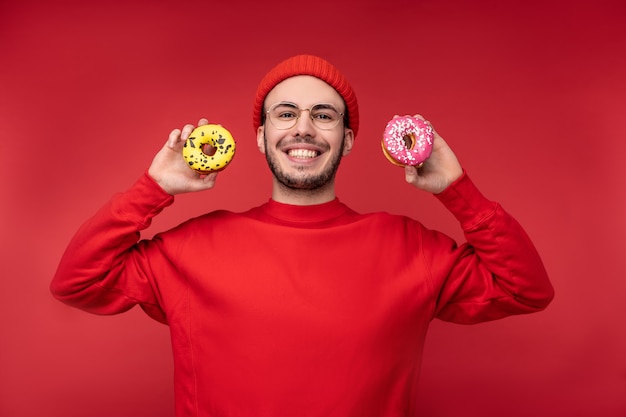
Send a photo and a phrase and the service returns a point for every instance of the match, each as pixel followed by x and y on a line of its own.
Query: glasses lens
pixel 285 115
pixel 325 116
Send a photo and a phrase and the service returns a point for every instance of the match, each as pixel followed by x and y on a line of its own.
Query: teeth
pixel 302 153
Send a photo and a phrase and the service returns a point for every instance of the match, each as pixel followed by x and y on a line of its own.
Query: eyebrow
pixel 287 104
pixel 325 106
pixel 318 105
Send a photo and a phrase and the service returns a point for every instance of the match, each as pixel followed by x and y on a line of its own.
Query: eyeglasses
pixel 285 115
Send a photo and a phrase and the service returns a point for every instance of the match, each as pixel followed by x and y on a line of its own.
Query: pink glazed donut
pixel 407 140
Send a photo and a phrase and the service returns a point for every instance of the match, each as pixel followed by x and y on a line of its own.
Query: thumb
pixel 410 174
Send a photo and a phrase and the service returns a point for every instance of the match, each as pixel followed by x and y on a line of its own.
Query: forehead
pixel 304 90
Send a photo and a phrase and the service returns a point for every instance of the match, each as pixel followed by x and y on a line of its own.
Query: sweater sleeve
pixel 498 272
pixel 104 269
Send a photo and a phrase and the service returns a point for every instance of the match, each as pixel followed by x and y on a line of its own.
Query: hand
pixel 170 170
pixel 438 171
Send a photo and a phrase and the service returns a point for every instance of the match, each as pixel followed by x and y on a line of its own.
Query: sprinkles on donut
pixel 407 140
pixel 219 143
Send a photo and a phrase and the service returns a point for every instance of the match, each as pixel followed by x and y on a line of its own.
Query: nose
pixel 304 125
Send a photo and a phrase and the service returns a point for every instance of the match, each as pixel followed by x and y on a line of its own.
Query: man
pixel 301 307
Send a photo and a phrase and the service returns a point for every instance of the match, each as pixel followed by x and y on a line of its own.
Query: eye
pixel 324 114
pixel 284 112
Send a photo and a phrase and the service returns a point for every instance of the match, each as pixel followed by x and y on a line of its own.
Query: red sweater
pixel 301 311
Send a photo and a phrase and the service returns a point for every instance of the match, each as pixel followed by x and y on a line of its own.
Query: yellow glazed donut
pixel 214 138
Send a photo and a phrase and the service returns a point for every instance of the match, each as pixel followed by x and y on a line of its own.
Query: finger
pixel 210 178
pixel 173 138
pixel 419 116
pixel 187 129
pixel 410 174
pixel 204 182
pixel 203 122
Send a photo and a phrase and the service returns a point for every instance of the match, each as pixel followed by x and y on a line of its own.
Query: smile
pixel 302 153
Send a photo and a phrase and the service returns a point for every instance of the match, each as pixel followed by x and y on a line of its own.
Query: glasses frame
pixel 299 111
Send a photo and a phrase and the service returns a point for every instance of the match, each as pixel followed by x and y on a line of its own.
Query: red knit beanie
pixel 307 65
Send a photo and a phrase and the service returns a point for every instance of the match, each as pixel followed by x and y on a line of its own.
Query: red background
pixel 531 96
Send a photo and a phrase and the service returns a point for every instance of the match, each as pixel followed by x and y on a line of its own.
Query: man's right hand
pixel 170 170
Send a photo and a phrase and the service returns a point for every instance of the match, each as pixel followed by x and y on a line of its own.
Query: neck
pixel 300 197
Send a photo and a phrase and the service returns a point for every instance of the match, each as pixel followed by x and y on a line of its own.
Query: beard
pixel 301 180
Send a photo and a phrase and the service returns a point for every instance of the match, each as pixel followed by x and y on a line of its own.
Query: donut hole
pixel 208 150
pixel 409 140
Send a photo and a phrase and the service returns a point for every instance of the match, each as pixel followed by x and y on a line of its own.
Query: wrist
pixel 155 179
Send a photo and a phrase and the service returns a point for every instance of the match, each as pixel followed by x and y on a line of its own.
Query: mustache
pixel 297 140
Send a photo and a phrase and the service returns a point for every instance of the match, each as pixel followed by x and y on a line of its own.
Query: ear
pixel 348 141
pixel 260 138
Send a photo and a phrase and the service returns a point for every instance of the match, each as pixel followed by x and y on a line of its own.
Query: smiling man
pixel 305 139
pixel 314 310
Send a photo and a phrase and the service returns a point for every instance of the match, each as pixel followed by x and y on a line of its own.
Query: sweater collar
pixel 315 216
